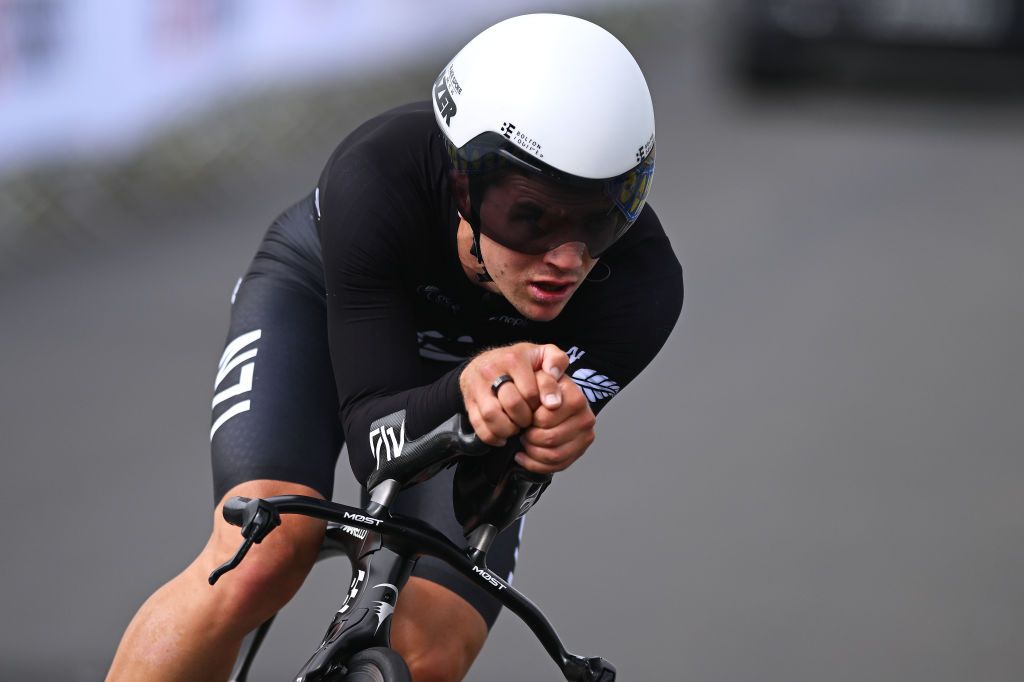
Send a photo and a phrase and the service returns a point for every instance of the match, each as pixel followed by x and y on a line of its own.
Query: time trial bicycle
pixel 490 493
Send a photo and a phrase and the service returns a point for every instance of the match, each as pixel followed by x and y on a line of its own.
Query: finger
pixel 534 466
pixel 548 437
pixel 524 377
pixel 578 431
pixel 547 416
pixel 550 393
pixel 574 407
pixel 561 456
pixel 548 456
pixel 482 428
pixel 494 417
pixel 572 401
pixel 548 465
pixel 514 405
pixel 551 359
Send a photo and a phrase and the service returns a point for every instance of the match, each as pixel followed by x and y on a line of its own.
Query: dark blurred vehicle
pixel 782 40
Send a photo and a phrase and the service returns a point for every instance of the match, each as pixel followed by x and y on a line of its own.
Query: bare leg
pixel 188 630
pixel 436 631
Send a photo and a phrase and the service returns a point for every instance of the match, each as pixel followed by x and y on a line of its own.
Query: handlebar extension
pixel 234 510
pixel 424 456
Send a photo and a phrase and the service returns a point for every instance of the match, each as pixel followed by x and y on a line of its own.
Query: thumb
pixel 551 359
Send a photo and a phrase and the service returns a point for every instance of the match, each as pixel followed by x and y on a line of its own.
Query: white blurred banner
pixel 92 78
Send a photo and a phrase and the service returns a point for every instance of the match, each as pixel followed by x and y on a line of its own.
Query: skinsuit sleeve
pixel 371 223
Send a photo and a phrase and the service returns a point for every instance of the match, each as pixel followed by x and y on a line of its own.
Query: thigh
pixel 275 406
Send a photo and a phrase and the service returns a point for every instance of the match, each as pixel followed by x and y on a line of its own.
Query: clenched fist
pixel 548 410
pixel 534 371
pixel 558 436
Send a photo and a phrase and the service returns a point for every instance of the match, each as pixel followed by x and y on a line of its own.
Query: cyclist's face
pixel 537 285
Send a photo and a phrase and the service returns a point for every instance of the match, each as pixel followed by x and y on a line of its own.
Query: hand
pixel 559 436
pixel 535 371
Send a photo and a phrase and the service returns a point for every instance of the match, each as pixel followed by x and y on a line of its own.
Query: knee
pixel 270 574
pixel 437 632
pixel 447 663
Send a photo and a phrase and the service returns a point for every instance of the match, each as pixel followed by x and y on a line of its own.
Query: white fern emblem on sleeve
pixel 595 386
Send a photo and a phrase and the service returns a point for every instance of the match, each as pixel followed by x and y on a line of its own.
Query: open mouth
pixel 551 292
pixel 552 287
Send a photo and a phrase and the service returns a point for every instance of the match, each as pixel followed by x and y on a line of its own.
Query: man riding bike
pixel 489 251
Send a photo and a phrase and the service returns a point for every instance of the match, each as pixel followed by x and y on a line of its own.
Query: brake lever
pixel 232 562
pixel 260 518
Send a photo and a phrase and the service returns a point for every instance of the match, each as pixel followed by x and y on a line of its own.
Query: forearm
pixel 378 425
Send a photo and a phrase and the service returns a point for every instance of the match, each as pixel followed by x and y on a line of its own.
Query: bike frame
pixel 383 549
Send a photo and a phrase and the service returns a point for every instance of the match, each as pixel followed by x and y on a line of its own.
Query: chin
pixel 542 318
pixel 538 313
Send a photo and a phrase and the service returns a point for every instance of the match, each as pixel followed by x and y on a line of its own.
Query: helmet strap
pixel 475 190
pixel 474 248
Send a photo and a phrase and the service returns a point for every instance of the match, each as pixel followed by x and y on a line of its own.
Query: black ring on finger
pixel 503 379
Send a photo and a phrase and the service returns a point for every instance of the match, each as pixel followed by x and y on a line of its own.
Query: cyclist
pixel 488 251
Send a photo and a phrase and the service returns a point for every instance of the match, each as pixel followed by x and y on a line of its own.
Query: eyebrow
pixel 527 206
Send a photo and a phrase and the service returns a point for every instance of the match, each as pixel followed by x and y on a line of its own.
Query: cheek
pixel 501 262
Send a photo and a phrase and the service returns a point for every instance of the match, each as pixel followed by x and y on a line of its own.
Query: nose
pixel 568 256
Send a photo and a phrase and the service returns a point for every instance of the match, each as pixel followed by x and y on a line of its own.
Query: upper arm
pixel 371 230
pixel 362 226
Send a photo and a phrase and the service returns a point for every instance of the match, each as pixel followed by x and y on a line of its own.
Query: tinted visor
pixel 531 208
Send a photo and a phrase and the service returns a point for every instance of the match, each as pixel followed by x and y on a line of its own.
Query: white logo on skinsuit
pixel 575 354
pixel 384 438
pixel 595 386
pixel 234 355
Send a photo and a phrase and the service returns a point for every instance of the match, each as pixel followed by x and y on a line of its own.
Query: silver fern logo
pixel 595 386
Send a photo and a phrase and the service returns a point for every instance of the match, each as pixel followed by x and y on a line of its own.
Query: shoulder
pixel 385 179
pixel 403 137
pixel 645 240
pixel 643 271
pixel 395 162
pixel 634 295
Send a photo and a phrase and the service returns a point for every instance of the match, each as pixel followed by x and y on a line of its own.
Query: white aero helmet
pixel 558 97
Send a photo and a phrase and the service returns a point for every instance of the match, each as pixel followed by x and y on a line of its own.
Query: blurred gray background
pixel 819 478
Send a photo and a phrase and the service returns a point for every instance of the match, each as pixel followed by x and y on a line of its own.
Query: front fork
pixel 364 619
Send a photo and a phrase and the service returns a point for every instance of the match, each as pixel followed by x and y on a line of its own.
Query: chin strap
pixel 474 249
